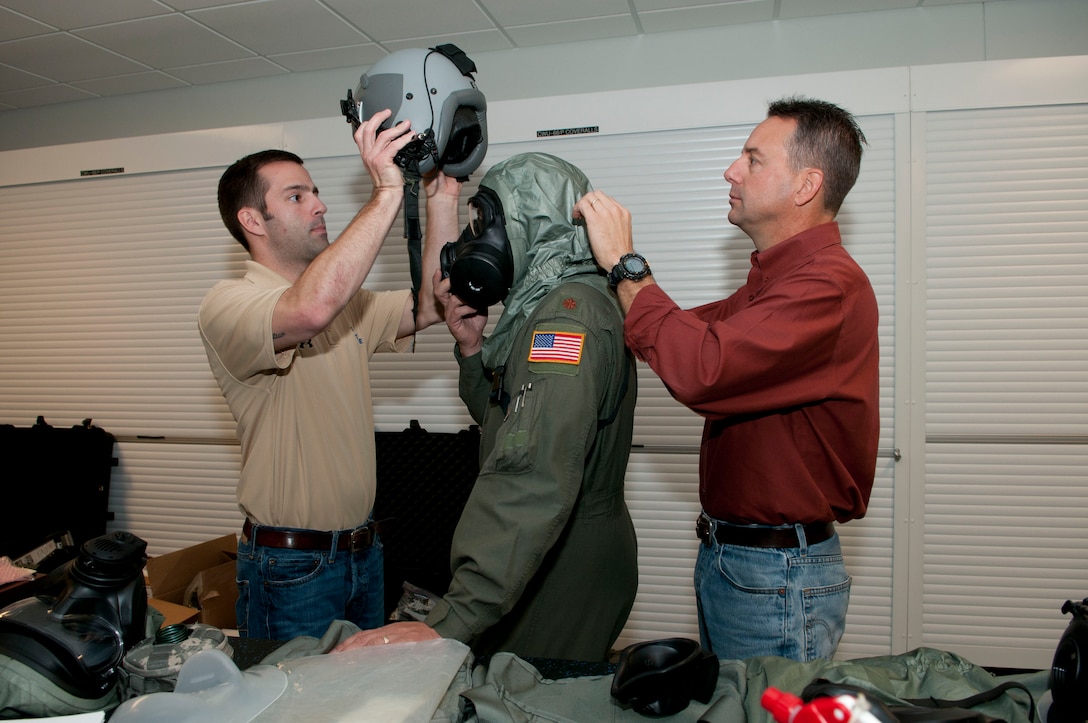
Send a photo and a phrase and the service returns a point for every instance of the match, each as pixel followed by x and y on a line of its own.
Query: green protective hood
pixel 538 192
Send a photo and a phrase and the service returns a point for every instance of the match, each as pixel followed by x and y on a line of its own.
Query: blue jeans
pixel 284 593
pixel 758 601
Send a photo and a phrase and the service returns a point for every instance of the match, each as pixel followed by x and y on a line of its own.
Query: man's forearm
pixel 627 290
pixel 441 229
pixel 328 282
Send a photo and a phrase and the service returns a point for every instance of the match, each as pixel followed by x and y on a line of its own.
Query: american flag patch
pixel 557 346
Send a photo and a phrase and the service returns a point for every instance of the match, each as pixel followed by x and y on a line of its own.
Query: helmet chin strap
pixel 409 166
pixel 412 229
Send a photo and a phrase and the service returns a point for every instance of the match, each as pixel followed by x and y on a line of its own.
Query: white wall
pixel 993 30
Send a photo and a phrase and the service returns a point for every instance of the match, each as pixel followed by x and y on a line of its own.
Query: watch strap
pixel 620 271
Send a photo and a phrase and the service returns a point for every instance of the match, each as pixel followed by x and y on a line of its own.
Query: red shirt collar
pixel 792 252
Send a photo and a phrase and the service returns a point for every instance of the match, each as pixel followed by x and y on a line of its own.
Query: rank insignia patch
pixel 563 347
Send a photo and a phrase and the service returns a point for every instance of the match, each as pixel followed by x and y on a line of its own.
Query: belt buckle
pixel 361 538
pixel 703 529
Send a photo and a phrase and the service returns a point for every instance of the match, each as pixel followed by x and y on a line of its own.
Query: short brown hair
pixel 241 185
pixel 827 137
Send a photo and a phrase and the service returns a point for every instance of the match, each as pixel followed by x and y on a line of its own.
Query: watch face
pixel 630 266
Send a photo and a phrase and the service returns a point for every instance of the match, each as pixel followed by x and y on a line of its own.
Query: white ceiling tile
pixel 69 14
pixel 47 95
pixel 740 5
pixel 705 16
pixel 356 55
pixel 14 26
pixel 814 8
pixel 164 41
pixel 281 26
pixel 185 5
pixel 520 12
pixel 588 29
pixel 12 79
pixel 469 42
pixel 413 19
pixel 64 57
pixel 118 46
pixel 227 71
pixel 125 84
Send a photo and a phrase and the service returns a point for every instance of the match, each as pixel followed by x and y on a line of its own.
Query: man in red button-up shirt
pixel 784 372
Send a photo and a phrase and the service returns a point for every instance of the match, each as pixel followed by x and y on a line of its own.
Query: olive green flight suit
pixel 544 556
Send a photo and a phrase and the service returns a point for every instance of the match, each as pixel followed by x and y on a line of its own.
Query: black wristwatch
pixel 631 267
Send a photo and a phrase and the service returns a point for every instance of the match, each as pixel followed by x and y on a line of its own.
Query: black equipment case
pixel 55 480
pixel 424 480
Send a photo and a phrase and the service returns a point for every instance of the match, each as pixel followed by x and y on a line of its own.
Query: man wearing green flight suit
pixel 544 556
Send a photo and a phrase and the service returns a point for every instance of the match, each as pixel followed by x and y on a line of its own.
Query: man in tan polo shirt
pixel 289 345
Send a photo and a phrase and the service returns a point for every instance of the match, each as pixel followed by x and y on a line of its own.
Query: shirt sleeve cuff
pixel 446 623
pixel 643 319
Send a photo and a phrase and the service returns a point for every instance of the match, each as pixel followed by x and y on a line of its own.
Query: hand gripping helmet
pixel 433 89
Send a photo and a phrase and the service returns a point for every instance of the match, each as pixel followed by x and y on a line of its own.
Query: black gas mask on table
pixel 480 264
pixel 1069 672
pixel 75 633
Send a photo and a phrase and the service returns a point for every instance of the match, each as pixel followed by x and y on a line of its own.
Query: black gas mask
pixel 90 612
pixel 1069 673
pixel 480 264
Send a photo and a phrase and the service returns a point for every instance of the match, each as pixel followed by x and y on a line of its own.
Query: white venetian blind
pixel 100 280
pixel 99 285
pixel 1006 366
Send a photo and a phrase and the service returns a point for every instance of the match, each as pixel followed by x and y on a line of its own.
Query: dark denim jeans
pixel 283 593
pixel 785 602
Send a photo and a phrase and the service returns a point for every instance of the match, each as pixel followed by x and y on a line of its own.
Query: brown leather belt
pixel 761 536
pixel 349 540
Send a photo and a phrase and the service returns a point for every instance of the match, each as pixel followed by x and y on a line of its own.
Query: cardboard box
pixel 173 613
pixel 201 577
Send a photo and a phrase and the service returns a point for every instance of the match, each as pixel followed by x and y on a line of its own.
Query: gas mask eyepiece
pixel 480 264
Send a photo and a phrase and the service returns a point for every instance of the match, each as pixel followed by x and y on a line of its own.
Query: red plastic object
pixel 788 708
